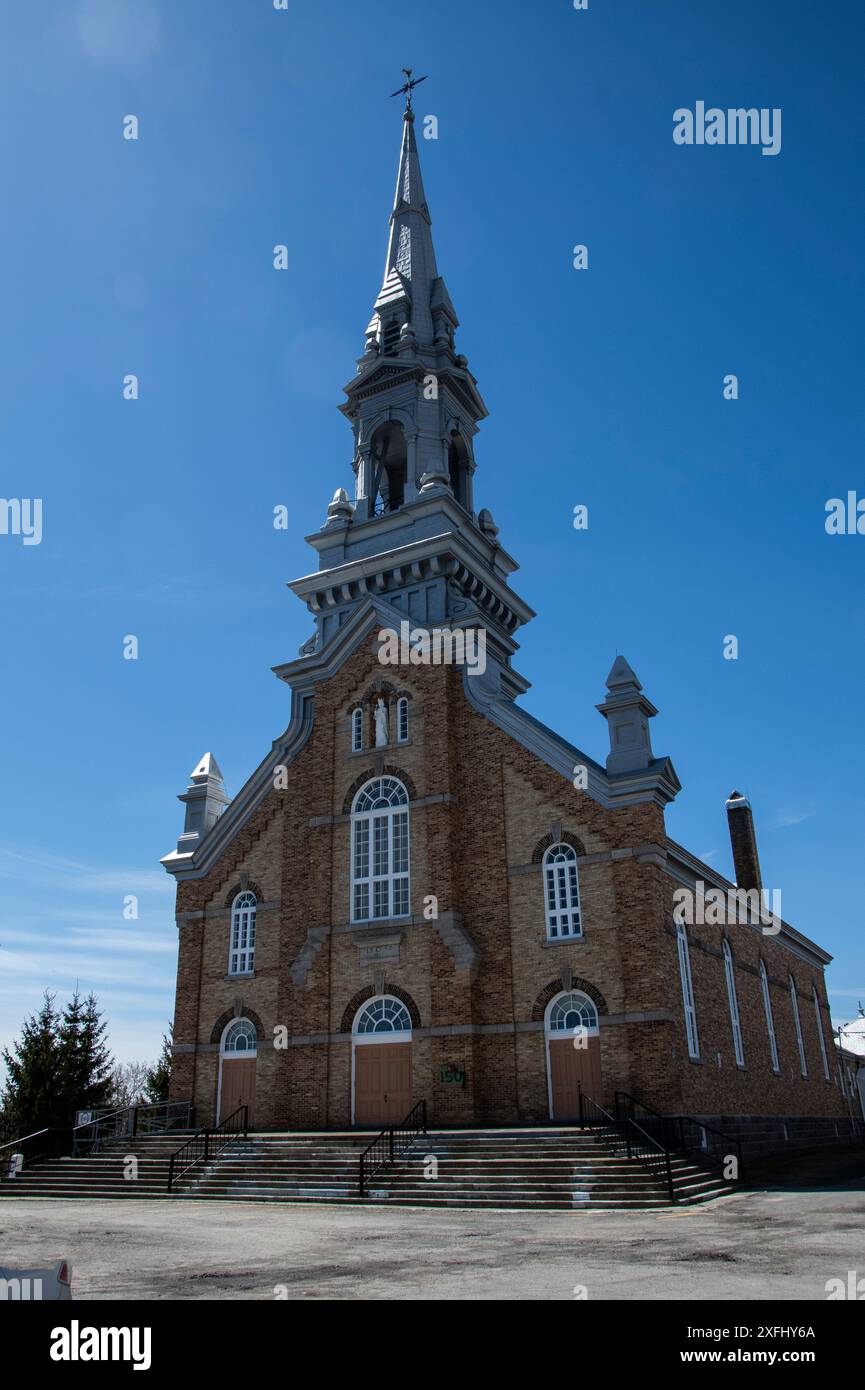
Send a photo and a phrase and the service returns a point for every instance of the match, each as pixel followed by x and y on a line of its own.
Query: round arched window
pixel 240 1037
pixel 572 1011
pixel 383 1015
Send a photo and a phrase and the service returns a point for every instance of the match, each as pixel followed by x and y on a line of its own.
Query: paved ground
pixel 754 1246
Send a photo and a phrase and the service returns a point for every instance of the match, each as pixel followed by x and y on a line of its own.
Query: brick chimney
pixel 743 841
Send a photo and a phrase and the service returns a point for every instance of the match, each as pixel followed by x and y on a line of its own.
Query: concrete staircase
pixel 557 1169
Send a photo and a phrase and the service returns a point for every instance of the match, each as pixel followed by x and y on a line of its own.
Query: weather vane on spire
pixel 408 87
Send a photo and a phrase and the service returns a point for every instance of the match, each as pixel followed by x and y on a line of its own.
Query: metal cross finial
pixel 409 85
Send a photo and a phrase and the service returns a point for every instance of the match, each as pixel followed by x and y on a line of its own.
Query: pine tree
pixel 32 1097
pixel 159 1076
pixel 85 1062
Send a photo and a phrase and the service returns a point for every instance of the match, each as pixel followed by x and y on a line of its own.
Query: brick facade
pixel 477 979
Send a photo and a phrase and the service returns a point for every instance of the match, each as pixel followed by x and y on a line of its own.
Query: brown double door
pixel 570 1068
pixel 382 1083
pixel 238 1086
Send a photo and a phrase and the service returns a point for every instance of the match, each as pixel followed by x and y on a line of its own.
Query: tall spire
pixel 413 404
pixel 413 309
pixel 410 265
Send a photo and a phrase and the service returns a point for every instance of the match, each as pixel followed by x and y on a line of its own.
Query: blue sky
pixel 604 388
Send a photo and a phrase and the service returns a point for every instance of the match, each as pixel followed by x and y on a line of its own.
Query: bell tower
pixel 411 537
pixel 414 405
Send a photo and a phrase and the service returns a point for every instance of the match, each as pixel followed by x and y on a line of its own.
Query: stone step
pixel 560 1169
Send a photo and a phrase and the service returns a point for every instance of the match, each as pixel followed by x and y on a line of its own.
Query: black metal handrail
pixel 208 1143
pixel 639 1146
pixel 676 1133
pixel 391 1144
pixel 36 1147
pixel 131 1121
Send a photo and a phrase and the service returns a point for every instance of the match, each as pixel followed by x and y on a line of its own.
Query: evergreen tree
pixel 32 1097
pixel 159 1076
pixel 60 1064
pixel 86 1061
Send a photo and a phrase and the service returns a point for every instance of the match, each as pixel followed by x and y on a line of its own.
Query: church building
pixel 424 893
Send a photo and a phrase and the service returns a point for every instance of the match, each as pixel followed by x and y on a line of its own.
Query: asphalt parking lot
pixel 756 1245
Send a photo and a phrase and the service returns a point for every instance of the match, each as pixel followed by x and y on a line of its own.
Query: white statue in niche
pixel 381 732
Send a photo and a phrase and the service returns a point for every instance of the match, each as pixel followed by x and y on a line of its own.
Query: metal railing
pixel 391 1144
pixel 130 1122
pixel 208 1144
pixel 42 1144
pixel 685 1134
pixel 640 1147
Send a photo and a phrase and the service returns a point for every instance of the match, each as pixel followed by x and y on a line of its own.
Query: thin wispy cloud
pixel 64 928
pixel 784 819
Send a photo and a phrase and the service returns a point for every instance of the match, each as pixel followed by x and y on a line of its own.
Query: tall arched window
pixel 380 851
pixel 402 720
pixel 241 955
pixel 570 1011
pixel 383 1015
pixel 240 1039
pixel 733 1002
pixel 357 730
pixel 562 892
pixel 687 992
pixel 770 1021
pixel 794 1002
pixel 820 1032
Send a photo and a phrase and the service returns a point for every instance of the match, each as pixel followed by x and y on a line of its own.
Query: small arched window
pixel 733 1003
pixel 357 730
pixel 380 851
pixel 240 1037
pixel 383 1015
pixel 241 955
pixel 562 892
pixel 570 1011
pixel 402 720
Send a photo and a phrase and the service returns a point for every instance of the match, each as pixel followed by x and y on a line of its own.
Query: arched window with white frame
pixel 383 1015
pixel 402 720
pixel 240 1039
pixel 380 851
pixel 770 1019
pixel 733 1002
pixel 687 992
pixel 562 892
pixel 241 955
pixel 800 1042
pixel 357 730
pixel 820 1036
pixel 572 1010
